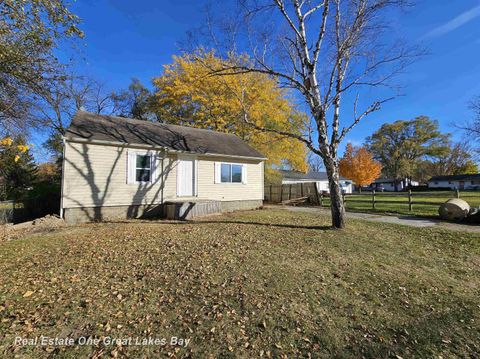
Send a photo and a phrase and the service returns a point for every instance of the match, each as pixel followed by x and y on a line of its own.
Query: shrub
pixel 43 199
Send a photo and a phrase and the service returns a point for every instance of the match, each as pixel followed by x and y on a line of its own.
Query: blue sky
pixel 126 39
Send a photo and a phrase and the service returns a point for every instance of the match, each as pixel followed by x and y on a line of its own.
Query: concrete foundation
pixel 230 206
pixel 189 210
pixel 107 213
pixel 171 210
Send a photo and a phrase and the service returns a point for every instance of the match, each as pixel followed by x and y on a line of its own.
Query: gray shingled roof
pixel 310 176
pixel 465 177
pixel 384 180
pixel 93 127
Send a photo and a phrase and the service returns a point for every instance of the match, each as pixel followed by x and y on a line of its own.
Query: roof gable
pixel 310 176
pixel 93 127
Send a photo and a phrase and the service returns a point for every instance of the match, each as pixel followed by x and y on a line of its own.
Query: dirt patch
pixel 39 225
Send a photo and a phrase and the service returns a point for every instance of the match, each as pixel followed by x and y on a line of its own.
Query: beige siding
pixel 208 189
pixel 96 175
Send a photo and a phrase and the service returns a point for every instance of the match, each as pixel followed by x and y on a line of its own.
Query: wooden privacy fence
pixel 291 192
pixel 21 211
pixel 296 193
pixel 307 192
pixel 11 212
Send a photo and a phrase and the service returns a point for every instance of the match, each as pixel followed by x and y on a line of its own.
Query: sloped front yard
pixel 262 283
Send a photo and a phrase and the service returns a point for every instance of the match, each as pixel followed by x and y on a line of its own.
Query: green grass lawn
pixel 396 207
pixel 268 283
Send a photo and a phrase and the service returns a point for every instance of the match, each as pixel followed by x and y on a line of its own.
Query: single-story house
pixel 117 167
pixel 320 178
pixel 467 181
pixel 388 184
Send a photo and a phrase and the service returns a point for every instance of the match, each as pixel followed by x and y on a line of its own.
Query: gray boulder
pixel 454 209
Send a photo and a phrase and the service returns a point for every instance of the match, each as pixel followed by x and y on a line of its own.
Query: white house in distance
pixel 116 167
pixel 467 181
pixel 320 178
pixel 388 184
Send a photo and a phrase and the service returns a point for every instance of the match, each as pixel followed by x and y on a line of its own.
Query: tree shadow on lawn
pixel 251 223
pixel 264 224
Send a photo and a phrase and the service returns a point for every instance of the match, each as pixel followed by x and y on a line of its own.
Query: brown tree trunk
pixel 336 199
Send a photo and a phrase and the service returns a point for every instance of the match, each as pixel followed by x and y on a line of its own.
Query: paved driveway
pixel 402 220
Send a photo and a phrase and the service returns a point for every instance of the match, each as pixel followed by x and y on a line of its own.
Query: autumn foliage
pixel 189 94
pixel 7 142
pixel 358 165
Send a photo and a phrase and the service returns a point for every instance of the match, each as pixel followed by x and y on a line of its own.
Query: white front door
pixel 186 176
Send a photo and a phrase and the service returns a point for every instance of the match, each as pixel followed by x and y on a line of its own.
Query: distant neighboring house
pixel 122 168
pixel 468 181
pixel 320 178
pixel 388 184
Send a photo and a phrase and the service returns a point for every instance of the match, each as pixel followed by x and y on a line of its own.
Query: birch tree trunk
pixel 336 198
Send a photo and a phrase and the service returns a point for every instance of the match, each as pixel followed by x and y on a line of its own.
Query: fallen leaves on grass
pixel 28 293
pixel 237 286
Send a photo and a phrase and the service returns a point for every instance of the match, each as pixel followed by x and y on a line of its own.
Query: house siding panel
pixel 208 189
pixel 454 184
pixel 96 175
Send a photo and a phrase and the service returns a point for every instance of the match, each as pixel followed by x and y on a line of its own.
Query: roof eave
pixel 152 147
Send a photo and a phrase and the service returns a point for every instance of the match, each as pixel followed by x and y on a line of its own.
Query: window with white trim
pixel 143 168
pixel 230 172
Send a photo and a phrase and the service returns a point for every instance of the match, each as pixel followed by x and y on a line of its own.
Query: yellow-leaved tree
pixel 189 94
pixel 358 165
pixel 7 143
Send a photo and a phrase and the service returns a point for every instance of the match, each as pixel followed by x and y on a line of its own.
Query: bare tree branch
pixel 315 8
pixel 325 55
pixel 281 6
pixel 358 117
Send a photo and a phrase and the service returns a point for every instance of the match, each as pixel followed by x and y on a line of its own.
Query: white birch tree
pixel 329 52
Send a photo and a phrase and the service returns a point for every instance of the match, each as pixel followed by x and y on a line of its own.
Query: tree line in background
pixel 417 150
pixel 407 150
